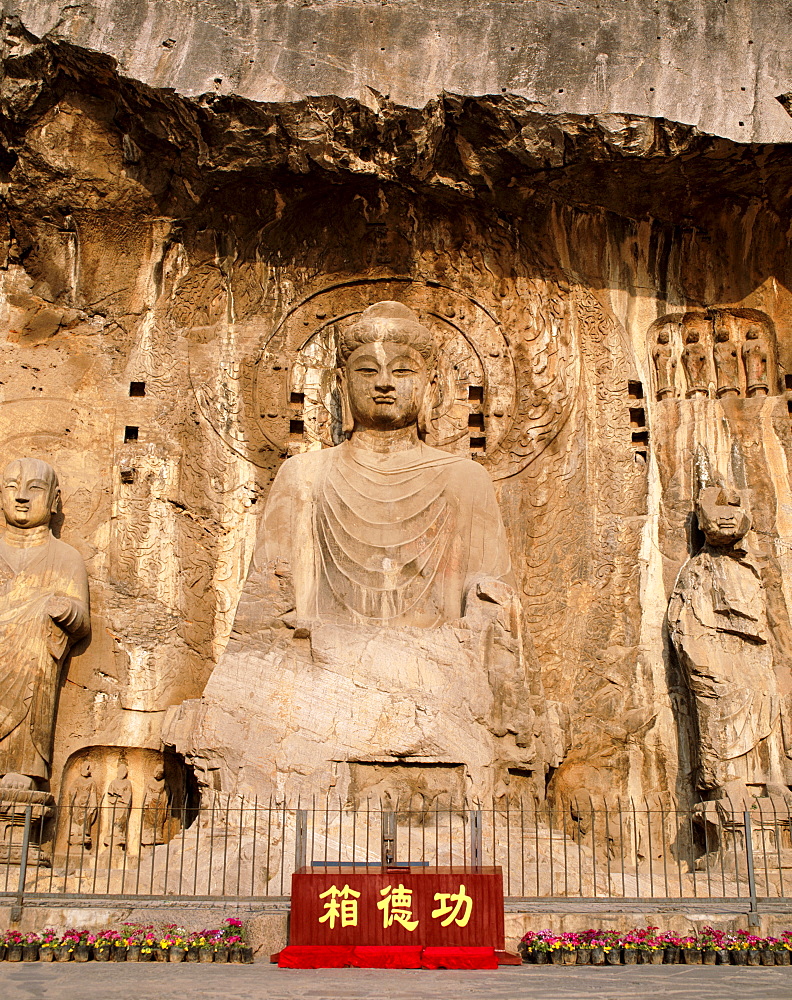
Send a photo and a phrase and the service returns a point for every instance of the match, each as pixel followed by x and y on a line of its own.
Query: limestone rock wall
pixel 171 269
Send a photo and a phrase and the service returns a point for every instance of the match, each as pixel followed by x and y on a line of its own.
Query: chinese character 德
pixel 452 913
pixel 346 909
pixel 397 905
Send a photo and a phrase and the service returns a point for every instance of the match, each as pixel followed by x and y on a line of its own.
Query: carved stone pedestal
pixel 13 807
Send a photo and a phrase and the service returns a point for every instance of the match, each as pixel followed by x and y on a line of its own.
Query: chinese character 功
pixel 347 908
pixel 452 913
pixel 397 905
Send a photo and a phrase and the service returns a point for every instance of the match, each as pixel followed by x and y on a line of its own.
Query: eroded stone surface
pixel 176 272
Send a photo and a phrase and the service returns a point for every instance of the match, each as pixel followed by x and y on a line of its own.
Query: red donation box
pixel 397 906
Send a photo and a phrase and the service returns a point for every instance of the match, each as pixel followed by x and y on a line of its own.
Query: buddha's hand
pixel 61 610
pixel 267 599
pixel 488 600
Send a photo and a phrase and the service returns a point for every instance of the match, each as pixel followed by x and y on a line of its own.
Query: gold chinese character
pixel 397 905
pixel 451 913
pixel 347 909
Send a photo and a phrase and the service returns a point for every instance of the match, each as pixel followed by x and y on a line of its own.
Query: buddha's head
pixel 30 492
pixel 122 771
pixel 722 516
pixel 388 358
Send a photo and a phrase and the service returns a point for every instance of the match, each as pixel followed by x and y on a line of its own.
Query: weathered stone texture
pixel 721 64
pixel 206 245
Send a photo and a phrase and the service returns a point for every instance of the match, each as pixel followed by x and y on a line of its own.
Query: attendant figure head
pixel 30 493
pixel 388 368
pixel 722 516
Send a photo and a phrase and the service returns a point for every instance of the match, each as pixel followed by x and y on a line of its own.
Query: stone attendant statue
pixel 83 808
pixel 665 365
pixel 43 611
pixel 155 810
pixel 694 360
pixel 726 363
pixel 379 622
pixel 754 354
pixel 119 800
pixel 718 625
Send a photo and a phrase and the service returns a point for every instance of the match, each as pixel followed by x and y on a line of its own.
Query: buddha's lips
pixel 384 399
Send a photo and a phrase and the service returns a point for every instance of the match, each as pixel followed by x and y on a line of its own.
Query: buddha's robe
pixel 391 539
pixel 33 647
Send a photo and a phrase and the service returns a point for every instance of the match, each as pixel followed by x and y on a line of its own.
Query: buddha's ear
pixel 427 405
pixel 347 420
pixel 55 503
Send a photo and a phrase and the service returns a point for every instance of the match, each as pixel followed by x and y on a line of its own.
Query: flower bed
pixel 132 943
pixel 644 946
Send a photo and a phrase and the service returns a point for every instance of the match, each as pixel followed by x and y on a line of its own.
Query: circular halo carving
pixel 499 403
pixel 474 370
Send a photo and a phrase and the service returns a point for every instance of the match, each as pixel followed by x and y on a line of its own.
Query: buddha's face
pixel 29 493
pixel 386 383
pixel 721 515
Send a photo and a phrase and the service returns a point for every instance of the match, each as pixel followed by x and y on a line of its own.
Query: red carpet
pixel 384 957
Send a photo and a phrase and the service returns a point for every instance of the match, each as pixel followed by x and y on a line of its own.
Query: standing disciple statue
pixel 43 611
pixel 754 354
pixel 718 625
pixel 119 801
pixel 83 808
pixel 694 356
pixel 665 364
pixel 727 367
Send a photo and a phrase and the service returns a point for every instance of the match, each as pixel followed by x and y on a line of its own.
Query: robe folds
pixel 33 648
pixel 717 622
pixel 391 539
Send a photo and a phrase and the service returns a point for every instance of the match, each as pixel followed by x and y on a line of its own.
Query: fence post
pixel 476 837
pixel 300 839
pixel 388 836
pixel 16 909
pixel 753 916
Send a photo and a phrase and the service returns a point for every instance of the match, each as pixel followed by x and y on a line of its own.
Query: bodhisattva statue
pixel 379 623
pixel 43 611
pixel 119 801
pixel 754 354
pixel 83 808
pixel 665 364
pixel 718 625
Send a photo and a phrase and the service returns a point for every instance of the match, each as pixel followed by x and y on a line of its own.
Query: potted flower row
pixel 134 943
pixel 643 945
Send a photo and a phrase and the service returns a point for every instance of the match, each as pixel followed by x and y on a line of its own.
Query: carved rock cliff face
pixel 171 268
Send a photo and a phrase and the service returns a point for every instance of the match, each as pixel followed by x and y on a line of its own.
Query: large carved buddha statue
pixel 379 623
pixel 381 529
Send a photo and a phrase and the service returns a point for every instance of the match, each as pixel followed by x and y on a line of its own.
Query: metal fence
pixel 236 848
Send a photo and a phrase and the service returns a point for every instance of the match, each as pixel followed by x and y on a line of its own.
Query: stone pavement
pixel 97 981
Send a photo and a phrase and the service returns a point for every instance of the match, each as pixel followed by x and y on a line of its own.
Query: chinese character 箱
pixel 452 910
pixel 397 905
pixel 342 903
